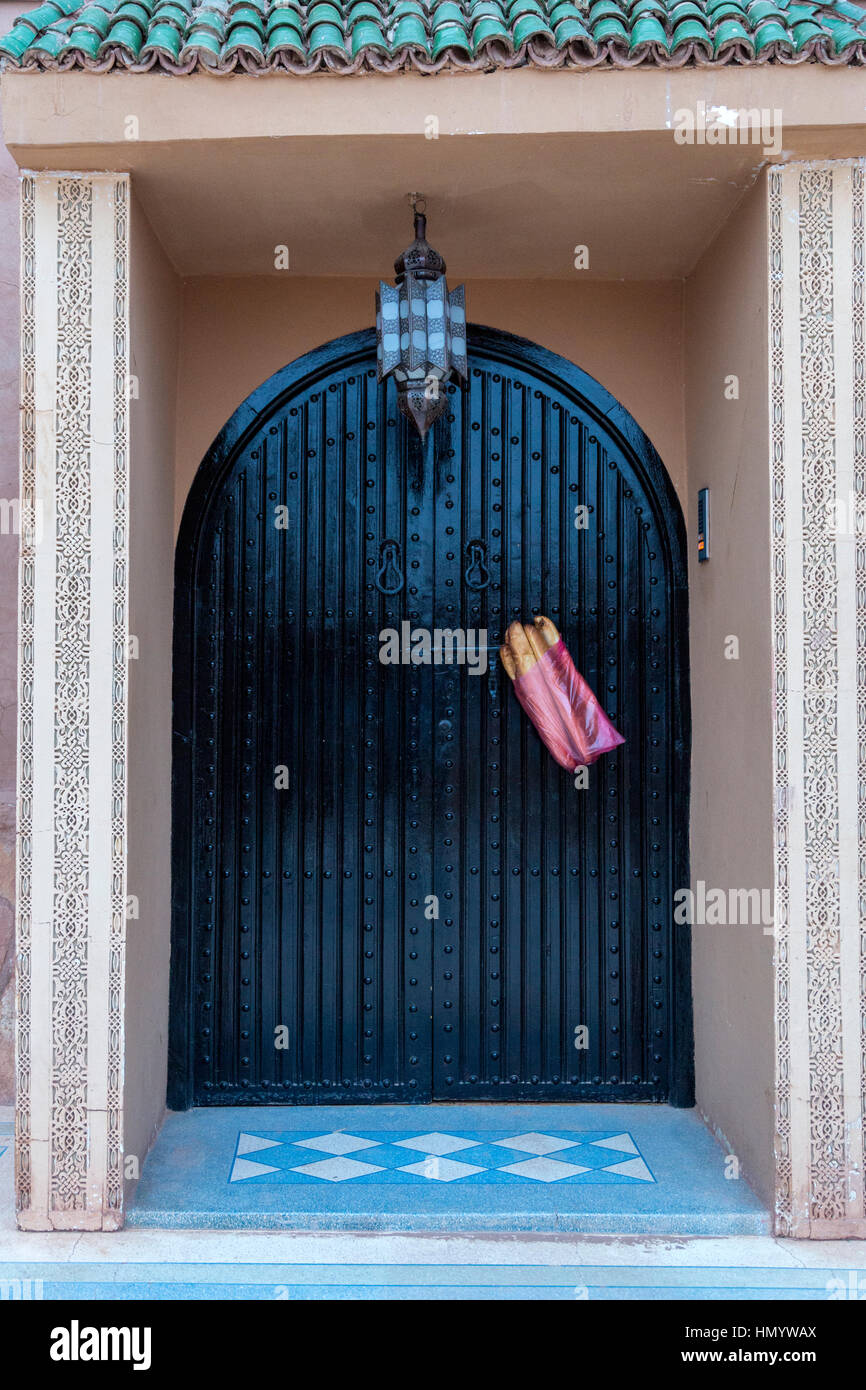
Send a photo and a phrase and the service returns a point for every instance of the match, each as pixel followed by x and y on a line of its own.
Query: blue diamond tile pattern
pixel 360 1157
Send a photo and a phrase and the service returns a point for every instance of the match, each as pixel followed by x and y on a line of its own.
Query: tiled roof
pixel 347 36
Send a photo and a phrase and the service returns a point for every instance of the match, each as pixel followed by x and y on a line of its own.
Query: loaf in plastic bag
pixel 570 722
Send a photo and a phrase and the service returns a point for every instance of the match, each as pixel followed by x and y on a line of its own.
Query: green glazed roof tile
pixel 284 14
pixel 446 13
pixel 648 30
pixel 42 16
pixel 45 15
pixel 610 28
pixel 344 36
pixel 531 26
pixel 687 10
pixel 285 40
pixel 324 13
pixel 760 10
pixel 245 20
pixel 449 36
pixel 606 9
pixel 772 32
pixel 208 22
pixel 488 9
pixel 731 31
pixel 730 10
pixel 285 35
pixel 324 36
pixel 171 14
pixel 134 14
pixel 691 30
pixel 522 7
pixel 648 7
pixel 365 9
pixel 806 33
pixel 841 33
pixel 366 34
pixel 163 38
pixel 571 31
pixel 204 45
pixel 489 27
pixel 245 14
pixel 246 37
pixel 92 17
pixel 565 10
pixel 409 31
pixel 17 42
pixel 82 41
pixel 126 34
pixel 51 42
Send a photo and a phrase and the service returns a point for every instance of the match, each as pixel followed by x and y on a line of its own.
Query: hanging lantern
pixel 420 330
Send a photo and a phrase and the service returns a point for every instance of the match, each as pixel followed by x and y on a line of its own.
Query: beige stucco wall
pixel 154 305
pixel 731 819
pixel 237 331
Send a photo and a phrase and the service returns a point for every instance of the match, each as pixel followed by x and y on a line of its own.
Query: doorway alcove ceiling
pixel 227 169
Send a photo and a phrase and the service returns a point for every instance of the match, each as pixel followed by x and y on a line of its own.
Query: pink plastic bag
pixel 570 721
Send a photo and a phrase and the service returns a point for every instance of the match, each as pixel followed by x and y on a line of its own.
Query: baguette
pixel 525 644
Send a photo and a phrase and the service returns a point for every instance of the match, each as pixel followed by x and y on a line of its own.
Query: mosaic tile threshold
pixel 409 1157
pixel 635 1169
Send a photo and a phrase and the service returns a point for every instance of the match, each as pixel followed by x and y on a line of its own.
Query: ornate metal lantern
pixel 420 330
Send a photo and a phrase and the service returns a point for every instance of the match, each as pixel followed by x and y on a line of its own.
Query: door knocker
pixel 389 577
pixel 477 574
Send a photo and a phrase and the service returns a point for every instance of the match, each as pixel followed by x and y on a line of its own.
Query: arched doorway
pixel 384 888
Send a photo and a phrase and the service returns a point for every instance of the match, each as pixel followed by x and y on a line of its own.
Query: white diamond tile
pixel 536 1143
pixel 246 1168
pixel 337 1143
pixel 441 1169
pixel 337 1169
pixel 436 1143
pixel 543 1169
pixel 622 1143
pixel 253 1143
pixel 631 1168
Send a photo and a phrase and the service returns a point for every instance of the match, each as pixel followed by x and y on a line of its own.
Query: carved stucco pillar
pixel 818 536
pixel 72 710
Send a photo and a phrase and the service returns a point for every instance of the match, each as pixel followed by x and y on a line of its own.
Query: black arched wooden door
pixel 384 887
